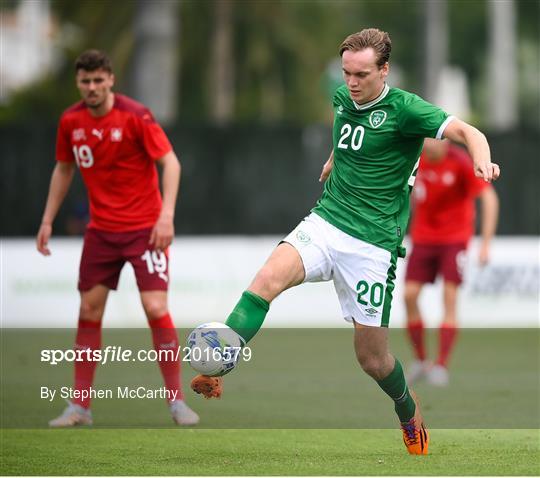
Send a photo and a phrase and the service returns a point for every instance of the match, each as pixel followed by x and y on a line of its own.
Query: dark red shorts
pixel 426 262
pixel 105 253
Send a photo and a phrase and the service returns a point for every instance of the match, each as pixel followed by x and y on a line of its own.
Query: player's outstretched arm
pixel 489 202
pixel 163 231
pixel 477 145
pixel 60 181
pixel 327 168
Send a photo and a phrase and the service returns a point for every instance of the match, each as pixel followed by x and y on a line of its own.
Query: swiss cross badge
pixel 116 135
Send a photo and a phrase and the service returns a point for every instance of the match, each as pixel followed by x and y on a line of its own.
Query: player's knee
pixel 90 312
pixel 411 295
pixel 372 365
pixel 154 308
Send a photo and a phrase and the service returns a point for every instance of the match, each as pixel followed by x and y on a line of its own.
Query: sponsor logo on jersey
pixel 303 237
pixel 371 311
pixel 116 135
pixel 78 134
pixel 98 133
pixel 377 118
pixel 448 178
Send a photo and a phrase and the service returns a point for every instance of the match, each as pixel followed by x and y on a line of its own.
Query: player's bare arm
pixel 327 168
pixel 489 203
pixel 60 181
pixel 163 232
pixel 477 145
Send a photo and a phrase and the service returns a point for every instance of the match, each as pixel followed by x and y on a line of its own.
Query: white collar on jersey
pixel 369 104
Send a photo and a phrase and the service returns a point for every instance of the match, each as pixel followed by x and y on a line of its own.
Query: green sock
pixel 248 315
pixel 396 388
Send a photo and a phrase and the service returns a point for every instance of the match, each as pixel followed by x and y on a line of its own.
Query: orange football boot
pixel 415 434
pixel 210 387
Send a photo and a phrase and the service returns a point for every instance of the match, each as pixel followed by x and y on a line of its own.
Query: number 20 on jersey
pixel 356 137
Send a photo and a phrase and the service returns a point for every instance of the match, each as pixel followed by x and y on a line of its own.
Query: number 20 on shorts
pixel 372 292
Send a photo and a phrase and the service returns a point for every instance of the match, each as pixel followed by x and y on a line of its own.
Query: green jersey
pixel 377 146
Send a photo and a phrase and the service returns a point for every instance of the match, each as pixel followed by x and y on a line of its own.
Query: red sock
pixel 416 335
pixel 447 339
pixel 88 338
pixel 165 338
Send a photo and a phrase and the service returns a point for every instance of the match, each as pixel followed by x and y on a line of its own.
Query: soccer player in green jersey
pixel 354 233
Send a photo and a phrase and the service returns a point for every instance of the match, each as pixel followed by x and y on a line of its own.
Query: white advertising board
pixel 208 274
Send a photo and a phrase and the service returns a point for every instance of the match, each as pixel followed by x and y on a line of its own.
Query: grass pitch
pixel 301 406
pixel 265 452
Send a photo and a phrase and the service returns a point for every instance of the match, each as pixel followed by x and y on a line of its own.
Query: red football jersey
pixel 116 156
pixel 443 195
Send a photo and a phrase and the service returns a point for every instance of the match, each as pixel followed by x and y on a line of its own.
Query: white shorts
pixel 363 274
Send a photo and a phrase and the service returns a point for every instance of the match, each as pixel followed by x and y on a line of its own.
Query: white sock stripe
pixel 402 395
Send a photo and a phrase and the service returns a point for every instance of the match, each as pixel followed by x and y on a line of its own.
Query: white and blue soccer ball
pixel 214 349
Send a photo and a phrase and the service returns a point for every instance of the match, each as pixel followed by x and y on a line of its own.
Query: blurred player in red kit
pixel 116 142
pixel 442 225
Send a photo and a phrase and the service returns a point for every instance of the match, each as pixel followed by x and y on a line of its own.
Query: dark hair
pixel 369 38
pixel 91 60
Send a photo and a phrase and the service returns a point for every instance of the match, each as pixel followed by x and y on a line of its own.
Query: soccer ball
pixel 213 349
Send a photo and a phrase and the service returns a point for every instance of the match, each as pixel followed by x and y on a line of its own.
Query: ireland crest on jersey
pixel 377 118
